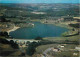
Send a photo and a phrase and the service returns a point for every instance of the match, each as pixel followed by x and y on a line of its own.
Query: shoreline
pixel 31 40
pixel 60 25
pixel 15 28
pixel 63 24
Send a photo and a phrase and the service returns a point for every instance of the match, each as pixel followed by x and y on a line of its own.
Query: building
pixel 55 49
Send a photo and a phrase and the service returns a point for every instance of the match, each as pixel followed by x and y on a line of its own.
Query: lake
pixel 39 30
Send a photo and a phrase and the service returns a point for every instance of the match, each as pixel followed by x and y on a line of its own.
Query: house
pixel 62 46
pixel 55 49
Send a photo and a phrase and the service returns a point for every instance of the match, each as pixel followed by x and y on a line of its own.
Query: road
pixel 45 52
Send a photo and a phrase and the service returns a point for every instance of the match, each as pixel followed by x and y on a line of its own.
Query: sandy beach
pixel 15 28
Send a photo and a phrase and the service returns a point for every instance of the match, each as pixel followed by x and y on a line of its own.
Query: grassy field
pixel 68 50
pixel 42 48
pixel 72 38
pixel 66 54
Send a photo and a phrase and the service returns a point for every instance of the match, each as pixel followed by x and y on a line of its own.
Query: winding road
pixel 45 52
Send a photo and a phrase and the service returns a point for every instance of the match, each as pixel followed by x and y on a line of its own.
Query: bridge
pixel 23 40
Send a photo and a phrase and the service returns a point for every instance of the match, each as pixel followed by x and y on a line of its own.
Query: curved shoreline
pixel 15 28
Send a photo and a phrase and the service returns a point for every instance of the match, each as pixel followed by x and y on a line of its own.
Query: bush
pixel 31 48
pixel 4 34
pixel 11 42
pixel 14 45
pixel 64 34
pixel 39 38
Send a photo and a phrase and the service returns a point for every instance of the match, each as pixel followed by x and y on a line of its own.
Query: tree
pixel 14 45
pixel 3 19
pixel 4 34
pixel 22 54
pixel 4 41
pixel 11 41
pixel 1 34
pixel 39 38
pixel 30 50
pixel 64 56
pixel 28 42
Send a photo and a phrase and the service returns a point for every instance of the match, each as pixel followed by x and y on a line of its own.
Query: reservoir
pixel 39 30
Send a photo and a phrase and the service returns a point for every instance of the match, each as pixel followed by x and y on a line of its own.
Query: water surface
pixel 39 30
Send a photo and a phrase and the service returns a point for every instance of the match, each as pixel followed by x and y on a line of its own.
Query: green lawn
pixel 72 38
